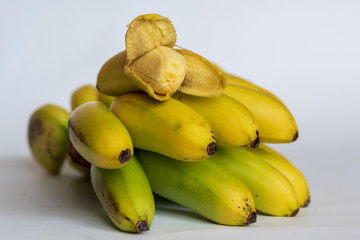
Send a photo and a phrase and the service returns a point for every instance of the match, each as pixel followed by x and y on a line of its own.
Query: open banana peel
pixel 151 64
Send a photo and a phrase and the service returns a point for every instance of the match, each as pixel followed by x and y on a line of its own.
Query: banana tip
pixel 296 136
pixel 256 142
pixel 293 214
pixel 125 155
pixel 211 148
pixel 251 218
pixel 142 226
pixel 306 203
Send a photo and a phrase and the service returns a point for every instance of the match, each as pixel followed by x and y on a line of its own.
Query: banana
pixel 126 196
pixel 273 193
pixel 169 127
pixel 87 93
pixel 276 123
pixel 230 78
pixel 201 186
pixel 202 77
pixel 233 124
pixel 99 136
pixel 282 164
pixel 47 136
pixel 77 161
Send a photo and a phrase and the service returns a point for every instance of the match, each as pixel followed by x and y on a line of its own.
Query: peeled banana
pixel 233 124
pixel 282 164
pixel 47 136
pixel 276 123
pixel 169 127
pixel 201 186
pixel 126 196
pixel 99 136
pixel 273 193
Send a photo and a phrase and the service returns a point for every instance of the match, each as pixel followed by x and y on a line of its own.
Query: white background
pixel 306 52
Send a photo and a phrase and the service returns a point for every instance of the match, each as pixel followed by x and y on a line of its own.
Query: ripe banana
pixel 233 124
pixel 169 127
pixel 282 164
pixel 126 196
pixel 201 186
pixel 202 77
pixel 48 138
pixel 87 93
pixel 272 191
pixel 245 83
pixel 99 136
pixel 276 123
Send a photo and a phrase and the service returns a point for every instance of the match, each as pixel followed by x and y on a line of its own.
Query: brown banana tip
pixel 293 214
pixel 125 155
pixel 211 148
pixel 141 226
pixel 306 203
pixel 251 218
pixel 296 136
pixel 256 142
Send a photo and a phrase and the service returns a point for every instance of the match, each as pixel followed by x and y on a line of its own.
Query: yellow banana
pixel 233 124
pixel 282 164
pixel 87 93
pixel 272 191
pixel 276 123
pixel 77 161
pixel 169 127
pixel 99 136
pixel 126 196
pixel 230 78
pixel 47 136
pixel 201 186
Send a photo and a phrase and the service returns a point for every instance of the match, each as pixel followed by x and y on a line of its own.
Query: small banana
pixel 202 77
pixel 169 127
pixel 99 136
pixel 126 196
pixel 230 78
pixel 233 124
pixel 87 93
pixel 47 136
pixel 201 186
pixel 282 164
pixel 273 193
pixel 276 123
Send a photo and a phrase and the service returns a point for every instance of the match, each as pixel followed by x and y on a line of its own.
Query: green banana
pixel 201 186
pixel 276 123
pixel 233 124
pixel 273 193
pixel 230 78
pixel 282 164
pixel 87 93
pixel 126 196
pixel 99 136
pixel 47 136
pixel 169 127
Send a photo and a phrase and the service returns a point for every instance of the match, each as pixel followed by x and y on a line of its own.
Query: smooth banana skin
pixel 232 123
pixel 48 138
pixel 169 127
pixel 126 196
pixel 282 164
pixel 201 186
pixel 276 123
pixel 272 191
pixel 230 78
pixel 99 136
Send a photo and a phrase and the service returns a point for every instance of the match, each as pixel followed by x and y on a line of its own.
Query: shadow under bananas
pixel 29 192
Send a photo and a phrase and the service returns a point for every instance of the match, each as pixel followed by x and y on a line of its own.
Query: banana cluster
pixel 168 121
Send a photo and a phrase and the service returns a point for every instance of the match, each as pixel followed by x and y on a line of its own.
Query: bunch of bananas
pixel 168 121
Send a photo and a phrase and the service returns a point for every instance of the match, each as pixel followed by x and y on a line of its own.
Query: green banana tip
pixel 141 226
pixel 251 218
pixel 125 155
